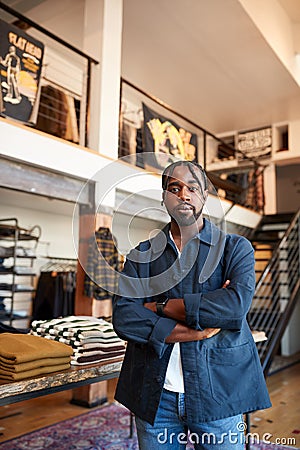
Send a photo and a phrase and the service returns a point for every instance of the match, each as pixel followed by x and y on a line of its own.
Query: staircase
pixel 266 237
pixel 277 252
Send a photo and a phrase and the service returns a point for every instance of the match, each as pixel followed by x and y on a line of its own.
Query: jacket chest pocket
pixel 215 281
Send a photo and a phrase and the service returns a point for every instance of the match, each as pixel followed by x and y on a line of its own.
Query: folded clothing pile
pixel 93 340
pixel 24 356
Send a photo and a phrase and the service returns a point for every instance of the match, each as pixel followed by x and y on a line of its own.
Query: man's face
pixel 184 198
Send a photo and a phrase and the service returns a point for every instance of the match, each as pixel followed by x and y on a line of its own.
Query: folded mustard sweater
pixel 21 348
pixel 9 376
pixel 30 365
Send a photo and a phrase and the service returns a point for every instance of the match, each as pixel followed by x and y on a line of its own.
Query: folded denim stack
pixel 93 340
pixel 25 356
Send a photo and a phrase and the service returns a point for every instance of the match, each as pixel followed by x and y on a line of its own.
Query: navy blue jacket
pixel 222 374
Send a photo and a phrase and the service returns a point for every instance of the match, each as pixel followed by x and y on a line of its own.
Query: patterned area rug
pixel 100 429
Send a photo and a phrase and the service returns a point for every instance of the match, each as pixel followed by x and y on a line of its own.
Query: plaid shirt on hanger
pixel 100 280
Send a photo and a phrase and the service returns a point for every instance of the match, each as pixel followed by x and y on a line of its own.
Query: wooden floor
pixel 282 421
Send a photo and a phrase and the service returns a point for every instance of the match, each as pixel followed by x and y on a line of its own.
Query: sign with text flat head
pixel 21 58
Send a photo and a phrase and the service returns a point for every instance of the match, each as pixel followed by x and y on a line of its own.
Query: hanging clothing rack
pixel 58 264
pixel 55 293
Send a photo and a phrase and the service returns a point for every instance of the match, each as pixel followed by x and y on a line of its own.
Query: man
pixel 191 363
pixel 13 64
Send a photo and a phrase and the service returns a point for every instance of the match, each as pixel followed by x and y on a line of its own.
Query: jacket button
pixel 159 378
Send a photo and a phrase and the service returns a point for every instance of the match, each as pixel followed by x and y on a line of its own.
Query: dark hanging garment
pixel 55 295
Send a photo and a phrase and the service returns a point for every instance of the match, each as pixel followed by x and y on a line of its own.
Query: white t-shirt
pixel 174 376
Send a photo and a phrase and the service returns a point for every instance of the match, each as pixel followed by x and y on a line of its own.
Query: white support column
pixel 270 189
pixel 103 41
pixel 110 79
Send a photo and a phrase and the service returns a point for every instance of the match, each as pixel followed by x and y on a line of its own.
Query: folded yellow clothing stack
pixel 24 355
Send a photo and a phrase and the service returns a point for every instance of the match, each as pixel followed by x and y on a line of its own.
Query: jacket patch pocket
pixel 233 374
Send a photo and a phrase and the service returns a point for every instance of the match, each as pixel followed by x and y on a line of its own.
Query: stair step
pixel 277 218
pixel 265 259
pixel 274 227
pixel 268 233
pixel 266 238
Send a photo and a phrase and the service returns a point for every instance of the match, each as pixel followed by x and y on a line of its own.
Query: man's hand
pixel 210 332
pixel 182 333
pixel 151 306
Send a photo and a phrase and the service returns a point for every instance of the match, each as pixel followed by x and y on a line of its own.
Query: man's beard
pixel 184 220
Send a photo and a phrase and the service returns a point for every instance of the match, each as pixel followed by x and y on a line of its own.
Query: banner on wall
pixel 21 58
pixel 255 143
pixel 166 139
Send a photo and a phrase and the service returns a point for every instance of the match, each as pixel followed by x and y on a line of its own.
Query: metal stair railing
pixel 277 292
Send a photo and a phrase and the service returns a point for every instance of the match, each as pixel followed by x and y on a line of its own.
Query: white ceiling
pixel 292 8
pixel 207 60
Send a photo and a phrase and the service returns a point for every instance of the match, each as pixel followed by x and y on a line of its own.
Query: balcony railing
pixel 65 82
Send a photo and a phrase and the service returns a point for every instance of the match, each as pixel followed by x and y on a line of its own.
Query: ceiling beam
pixel 34 180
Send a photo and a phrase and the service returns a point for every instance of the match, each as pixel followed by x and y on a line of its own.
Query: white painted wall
pixel 55 219
pixel 288 188
pixel 290 343
pixel 130 232
pixel 53 216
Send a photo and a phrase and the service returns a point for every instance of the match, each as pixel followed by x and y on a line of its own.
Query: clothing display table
pixel 74 377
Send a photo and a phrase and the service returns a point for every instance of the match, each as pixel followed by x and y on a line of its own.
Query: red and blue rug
pixel 100 429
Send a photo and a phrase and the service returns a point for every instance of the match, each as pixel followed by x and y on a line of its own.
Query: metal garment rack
pixel 10 231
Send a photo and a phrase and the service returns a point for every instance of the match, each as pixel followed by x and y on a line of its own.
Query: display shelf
pixel 13 267
pixel 74 377
pixel 12 270
pixel 9 232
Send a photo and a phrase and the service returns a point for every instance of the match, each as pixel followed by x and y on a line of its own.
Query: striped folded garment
pixel 93 340
pixel 92 359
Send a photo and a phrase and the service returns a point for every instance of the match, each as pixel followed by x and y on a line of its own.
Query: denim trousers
pixel 172 430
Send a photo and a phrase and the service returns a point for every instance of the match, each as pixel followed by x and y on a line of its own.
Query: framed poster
pixel 255 143
pixel 21 58
pixel 166 140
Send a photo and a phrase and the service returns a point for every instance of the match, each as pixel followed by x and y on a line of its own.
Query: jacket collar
pixel 210 234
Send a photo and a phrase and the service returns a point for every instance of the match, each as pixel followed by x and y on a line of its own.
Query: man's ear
pixel 205 194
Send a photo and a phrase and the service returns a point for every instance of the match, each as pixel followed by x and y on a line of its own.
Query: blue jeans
pixel 172 430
